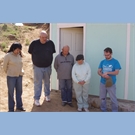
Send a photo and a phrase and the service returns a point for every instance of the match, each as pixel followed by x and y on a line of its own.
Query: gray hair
pixel 65 46
pixel 43 32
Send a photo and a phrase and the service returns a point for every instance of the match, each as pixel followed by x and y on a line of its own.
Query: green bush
pixel 4 27
pixel 5 50
pixel 27 42
pixel 3 45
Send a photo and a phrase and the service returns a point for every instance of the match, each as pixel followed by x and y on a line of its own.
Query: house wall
pixel 53 37
pixel 120 37
pixel 131 79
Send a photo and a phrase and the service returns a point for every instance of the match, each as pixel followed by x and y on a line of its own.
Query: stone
pixel 123 105
pixel 11 37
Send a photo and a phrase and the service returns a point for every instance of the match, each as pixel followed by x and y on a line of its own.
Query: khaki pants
pixel 81 93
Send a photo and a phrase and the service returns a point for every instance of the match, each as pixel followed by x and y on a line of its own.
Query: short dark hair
pixel 79 57
pixel 15 46
pixel 108 49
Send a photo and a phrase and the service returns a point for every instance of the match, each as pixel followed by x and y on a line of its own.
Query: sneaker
pixel 37 103
pixel 11 111
pixel 47 98
pixel 64 103
pixel 86 109
pixel 79 109
pixel 70 104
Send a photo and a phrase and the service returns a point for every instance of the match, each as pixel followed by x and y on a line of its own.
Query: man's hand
pixel 105 75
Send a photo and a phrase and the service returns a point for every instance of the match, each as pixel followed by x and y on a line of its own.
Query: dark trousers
pixel 65 85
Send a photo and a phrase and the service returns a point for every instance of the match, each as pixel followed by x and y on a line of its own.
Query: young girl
pixel 13 68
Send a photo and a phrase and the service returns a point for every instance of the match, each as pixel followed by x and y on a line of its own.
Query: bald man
pixel 42 51
pixel 63 65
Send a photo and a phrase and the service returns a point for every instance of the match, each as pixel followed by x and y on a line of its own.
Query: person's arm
pixel 100 69
pixel 88 74
pixel 100 72
pixel 56 63
pixel 5 63
pixel 53 47
pixel 31 46
pixel 116 72
pixel 74 75
pixel 117 67
pixel 102 75
pixel 73 61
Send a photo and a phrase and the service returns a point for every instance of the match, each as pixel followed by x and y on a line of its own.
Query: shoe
pixel 21 109
pixel 86 109
pixel 79 109
pixel 37 102
pixel 70 104
pixel 11 111
pixel 64 103
pixel 47 98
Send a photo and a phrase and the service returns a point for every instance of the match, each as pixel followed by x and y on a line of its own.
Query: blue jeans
pixel 14 83
pixel 65 85
pixel 112 94
pixel 41 74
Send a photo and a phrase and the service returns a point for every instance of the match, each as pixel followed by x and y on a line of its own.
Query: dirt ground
pixel 27 96
pixel 53 106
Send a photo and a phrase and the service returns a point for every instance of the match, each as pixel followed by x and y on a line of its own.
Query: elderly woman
pixel 81 74
pixel 13 68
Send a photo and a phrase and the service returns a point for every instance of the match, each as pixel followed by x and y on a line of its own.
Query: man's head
pixel 108 53
pixel 43 37
pixel 65 50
